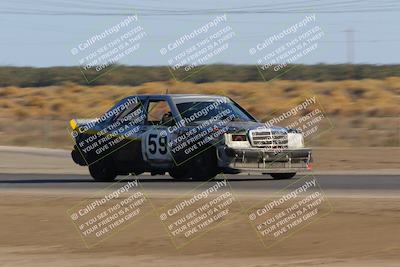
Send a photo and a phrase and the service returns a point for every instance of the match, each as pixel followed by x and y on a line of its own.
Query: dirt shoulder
pixel 356 158
pixel 358 232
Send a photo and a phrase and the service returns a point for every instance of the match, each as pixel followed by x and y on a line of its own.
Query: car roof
pixel 183 98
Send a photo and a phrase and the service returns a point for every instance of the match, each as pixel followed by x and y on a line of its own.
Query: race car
pixel 188 136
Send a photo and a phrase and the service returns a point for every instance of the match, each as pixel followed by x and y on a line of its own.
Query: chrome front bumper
pixel 259 160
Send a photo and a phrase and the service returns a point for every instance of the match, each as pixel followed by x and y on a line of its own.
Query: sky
pixel 41 33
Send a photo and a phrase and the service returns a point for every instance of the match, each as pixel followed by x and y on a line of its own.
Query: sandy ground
pixel 361 160
pixel 360 231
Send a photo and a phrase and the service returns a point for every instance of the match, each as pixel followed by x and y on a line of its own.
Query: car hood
pixel 237 126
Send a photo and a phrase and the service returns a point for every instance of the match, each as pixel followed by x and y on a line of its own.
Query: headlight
pixel 295 140
pixel 237 140
pixel 239 137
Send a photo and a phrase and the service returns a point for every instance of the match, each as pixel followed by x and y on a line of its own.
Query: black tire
pixel 281 176
pixel 102 171
pixel 77 157
pixel 204 166
pixel 179 173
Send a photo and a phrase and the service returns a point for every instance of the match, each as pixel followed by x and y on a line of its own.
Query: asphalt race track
pixel 238 182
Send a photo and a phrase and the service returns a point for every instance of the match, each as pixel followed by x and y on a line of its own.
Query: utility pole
pixel 350 51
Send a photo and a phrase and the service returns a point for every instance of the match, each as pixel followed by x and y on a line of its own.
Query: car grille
pixel 269 139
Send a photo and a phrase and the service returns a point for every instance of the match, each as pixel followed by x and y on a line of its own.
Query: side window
pixel 131 114
pixel 159 113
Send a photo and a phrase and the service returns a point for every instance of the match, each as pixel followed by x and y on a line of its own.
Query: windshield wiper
pixel 237 119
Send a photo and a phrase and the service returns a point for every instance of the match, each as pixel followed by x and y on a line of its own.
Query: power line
pixel 345 6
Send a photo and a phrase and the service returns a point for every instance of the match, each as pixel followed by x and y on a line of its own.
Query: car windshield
pixel 205 110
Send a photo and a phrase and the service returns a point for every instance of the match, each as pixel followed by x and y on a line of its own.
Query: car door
pixel 131 126
pixel 155 138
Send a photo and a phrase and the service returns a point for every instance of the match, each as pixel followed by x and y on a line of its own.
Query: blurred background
pixel 354 72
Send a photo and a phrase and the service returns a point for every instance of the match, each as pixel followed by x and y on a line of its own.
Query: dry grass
pixel 364 112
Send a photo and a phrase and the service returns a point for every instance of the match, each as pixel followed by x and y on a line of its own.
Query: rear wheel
pixel 280 176
pixel 102 171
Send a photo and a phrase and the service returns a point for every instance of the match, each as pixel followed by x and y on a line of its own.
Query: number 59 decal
pixel 156 145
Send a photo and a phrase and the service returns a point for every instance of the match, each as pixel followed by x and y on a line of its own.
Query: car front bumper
pixel 235 160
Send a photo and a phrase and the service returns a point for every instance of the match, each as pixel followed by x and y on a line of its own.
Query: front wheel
pixel 102 171
pixel 204 166
pixel 179 173
pixel 281 176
